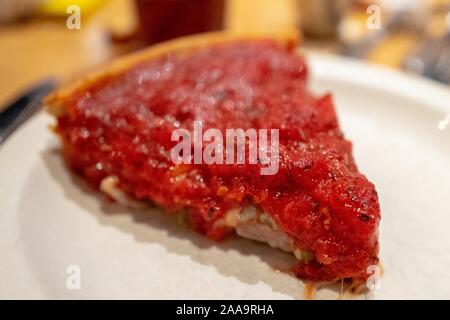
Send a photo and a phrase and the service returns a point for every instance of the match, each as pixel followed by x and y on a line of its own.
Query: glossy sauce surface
pixel 122 126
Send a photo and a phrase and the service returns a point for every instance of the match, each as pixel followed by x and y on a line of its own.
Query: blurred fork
pixel 401 22
pixel 23 108
pixel 432 57
pixel 441 68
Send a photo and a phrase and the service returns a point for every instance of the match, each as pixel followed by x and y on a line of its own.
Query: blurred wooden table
pixel 37 49
pixel 41 48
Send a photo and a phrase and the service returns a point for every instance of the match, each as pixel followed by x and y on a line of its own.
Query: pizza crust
pixel 54 102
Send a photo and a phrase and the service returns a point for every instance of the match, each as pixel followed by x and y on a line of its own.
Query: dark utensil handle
pixel 23 107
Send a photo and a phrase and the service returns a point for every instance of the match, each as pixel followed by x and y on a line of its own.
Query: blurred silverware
pixel 440 71
pixel 402 22
pixel 432 56
pixel 422 60
pixel 23 108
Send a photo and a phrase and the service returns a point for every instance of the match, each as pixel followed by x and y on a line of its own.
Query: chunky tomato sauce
pixel 122 125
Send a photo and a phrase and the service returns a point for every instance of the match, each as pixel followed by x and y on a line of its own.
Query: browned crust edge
pixel 54 102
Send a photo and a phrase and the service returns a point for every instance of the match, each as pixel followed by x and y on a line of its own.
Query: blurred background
pixel 61 38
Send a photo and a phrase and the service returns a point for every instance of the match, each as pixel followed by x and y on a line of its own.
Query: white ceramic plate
pixel 50 222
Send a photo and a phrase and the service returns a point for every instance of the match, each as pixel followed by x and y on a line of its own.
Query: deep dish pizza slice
pixel 116 126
